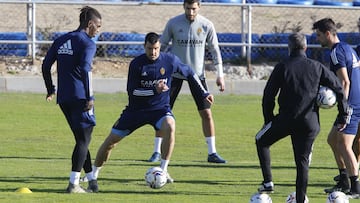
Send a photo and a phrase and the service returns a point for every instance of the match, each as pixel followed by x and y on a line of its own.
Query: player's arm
pixel 329 79
pixel 46 72
pixel 86 73
pixel 338 65
pixel 344 79
pixel 270 91
pixel 166 37
pixel 192 78
pixel 345 111
pixel 213 45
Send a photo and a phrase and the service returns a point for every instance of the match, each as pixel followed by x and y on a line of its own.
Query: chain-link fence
pixel 126 22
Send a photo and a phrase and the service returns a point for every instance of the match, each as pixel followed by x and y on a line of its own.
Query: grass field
pixel 36 146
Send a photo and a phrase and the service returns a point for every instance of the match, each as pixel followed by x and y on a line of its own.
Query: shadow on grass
pixel 227 165
pixel 33 158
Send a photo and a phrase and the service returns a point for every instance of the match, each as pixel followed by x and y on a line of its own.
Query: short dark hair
pixel 88 13
pixel 297 41
pixel 192 2
pixel 324 25
pixel 152 38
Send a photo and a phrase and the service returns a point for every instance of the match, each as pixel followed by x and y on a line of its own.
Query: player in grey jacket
pixel 190 34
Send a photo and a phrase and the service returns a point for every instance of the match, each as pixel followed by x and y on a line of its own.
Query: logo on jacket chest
pixel 152 82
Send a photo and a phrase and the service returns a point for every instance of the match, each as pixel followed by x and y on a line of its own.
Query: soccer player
pixel 345 64
pixel 148 85
pixel 74 53
pixel 296 81
pixel 190 34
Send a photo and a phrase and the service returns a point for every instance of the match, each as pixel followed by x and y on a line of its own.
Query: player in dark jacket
pixel 296 81
pixel 149 81
pixel 74 53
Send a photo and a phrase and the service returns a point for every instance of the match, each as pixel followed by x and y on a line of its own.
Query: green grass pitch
pixel 36 146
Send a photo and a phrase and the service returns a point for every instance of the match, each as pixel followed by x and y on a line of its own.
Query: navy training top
pixel 73 53
pixel 144 74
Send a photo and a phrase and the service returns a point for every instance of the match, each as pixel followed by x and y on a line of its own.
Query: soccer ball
pixel 326 98
pixel 337 197
pixel 260 198
pixel 291 198
pixel 155 177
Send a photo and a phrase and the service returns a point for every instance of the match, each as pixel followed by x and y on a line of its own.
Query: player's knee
pixel 206 114
pixel 167 126
pixel 111 141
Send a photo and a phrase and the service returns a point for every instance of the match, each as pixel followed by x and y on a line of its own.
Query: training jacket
pixel 189 40
pixel 144 74
pixel 298 78
pixel 73 53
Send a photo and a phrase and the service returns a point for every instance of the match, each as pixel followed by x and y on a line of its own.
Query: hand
pixel 341 127
pixel 210 99
pixel 220 83
pixel 161 86
pixel 49 97
pixel 89 105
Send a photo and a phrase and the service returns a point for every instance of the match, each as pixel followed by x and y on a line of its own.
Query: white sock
pixel 89 176
pixel 157 144
pixel 164 164
pixel 95 172
pixel 75 177
pixel 269 184
pixel 211 144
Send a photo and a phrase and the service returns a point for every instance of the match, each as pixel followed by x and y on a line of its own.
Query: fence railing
pixel 247 32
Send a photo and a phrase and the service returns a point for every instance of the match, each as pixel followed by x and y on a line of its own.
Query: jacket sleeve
pixel 86 67
pixel 49 60
pixel 166 37
pixel 213 46
pixel 271 89
pixel 192 78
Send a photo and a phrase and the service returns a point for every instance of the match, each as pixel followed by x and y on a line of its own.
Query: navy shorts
pixel 76 116
pixel 131 120
pixel 352 127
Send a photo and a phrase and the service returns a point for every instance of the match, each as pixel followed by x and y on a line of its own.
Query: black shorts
pixel 176 85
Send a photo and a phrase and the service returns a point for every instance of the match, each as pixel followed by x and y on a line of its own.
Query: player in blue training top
pixel 149 81
pixel 345 64
pixel 74 53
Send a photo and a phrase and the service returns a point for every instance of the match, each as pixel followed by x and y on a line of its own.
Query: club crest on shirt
pixel 199 31
pixel 162 70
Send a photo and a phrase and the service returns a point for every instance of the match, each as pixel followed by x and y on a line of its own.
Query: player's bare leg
pixel 356 145
pixel 343 182
pixel 167 131
pixel 208 127
pixel 104 152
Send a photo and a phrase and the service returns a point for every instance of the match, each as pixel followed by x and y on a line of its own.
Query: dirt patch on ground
pixel 24 67
pixel 102 68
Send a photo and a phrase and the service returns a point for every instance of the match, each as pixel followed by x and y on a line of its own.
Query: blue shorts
pixel 352 127
pixel 131 120
pixel 76 116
